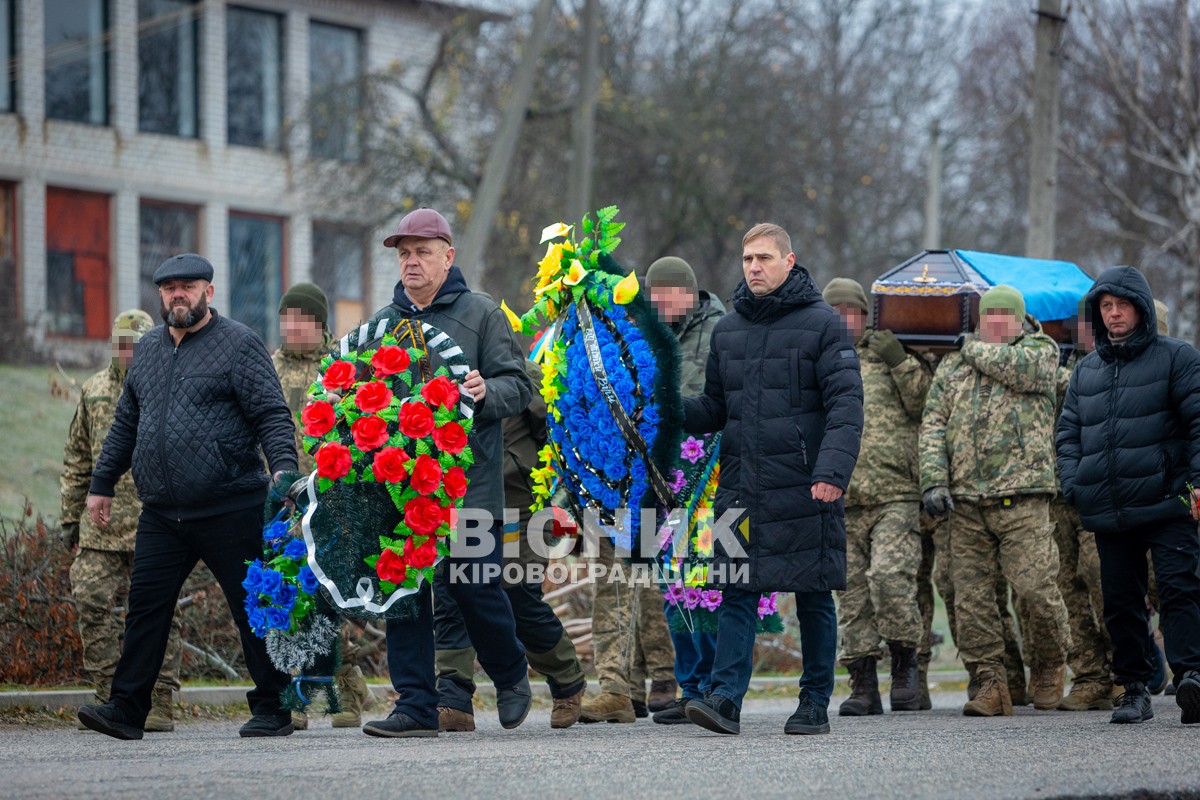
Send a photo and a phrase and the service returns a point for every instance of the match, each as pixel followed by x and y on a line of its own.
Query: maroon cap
pixel 424 223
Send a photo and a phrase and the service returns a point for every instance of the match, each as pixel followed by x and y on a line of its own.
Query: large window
pixel 339 267
pixel 256 273
pixel 168 66
pixel 77 60
pixel 164 230
pixel 335 78
pixel 254 65
pixel 8 55
pixel 78 286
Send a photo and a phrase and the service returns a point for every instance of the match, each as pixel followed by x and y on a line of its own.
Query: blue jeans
pixel 488 616
pixel 734 659
pixel 693 661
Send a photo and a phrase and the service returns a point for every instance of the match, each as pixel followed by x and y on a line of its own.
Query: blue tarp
pixel 1052 289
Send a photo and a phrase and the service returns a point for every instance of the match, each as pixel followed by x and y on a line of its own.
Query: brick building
pixel 134 129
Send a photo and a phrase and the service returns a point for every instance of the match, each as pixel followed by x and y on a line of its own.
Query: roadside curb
pixel 233 695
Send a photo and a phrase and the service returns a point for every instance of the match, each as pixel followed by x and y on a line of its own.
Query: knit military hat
pixel 131 325
pixel 309 298
pixel 1002 298
pixel 671 271
pixel 845 291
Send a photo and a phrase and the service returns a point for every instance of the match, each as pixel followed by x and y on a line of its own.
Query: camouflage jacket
pixel 694 334
pixel 297 371
pixel 988 430
pixel 93 418
pixel 893 399
pixel 1063 380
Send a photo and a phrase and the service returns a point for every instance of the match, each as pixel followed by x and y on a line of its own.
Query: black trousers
pixel 1175 546
pixel 164 555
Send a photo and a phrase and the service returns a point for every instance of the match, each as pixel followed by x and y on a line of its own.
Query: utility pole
pixel 579 187
pixel 1043 155
pixel 472 249
pixel 933 191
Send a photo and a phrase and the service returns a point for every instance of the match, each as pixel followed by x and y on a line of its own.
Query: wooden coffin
pixel 929 300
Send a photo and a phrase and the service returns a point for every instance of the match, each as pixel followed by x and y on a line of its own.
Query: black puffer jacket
pixel 192 420
pixel 1128 440
pixel 783 383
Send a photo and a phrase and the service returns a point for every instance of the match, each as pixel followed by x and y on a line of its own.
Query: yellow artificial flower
pixel 551 262
pixel 513 319
pixel 575 274
pixel 555 231
pixel 541 290
pixel 550 393
pixel 626 289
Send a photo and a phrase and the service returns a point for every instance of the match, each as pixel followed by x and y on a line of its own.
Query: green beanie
pixel 1002 298
pixel 309 298
pixel 671 271
pixel 846 291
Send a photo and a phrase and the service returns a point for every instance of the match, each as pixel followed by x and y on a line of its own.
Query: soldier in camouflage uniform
pixel 304 334
pixel 883 538
pixel 987 456
pixel 548 648
pixel 104 561
pixel 1090 656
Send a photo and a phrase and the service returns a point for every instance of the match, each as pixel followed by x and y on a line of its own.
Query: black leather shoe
pixel 267 725
pixel 1187 696
pixel 715 713
pixel 398 725
pixel 1135 705
pixel 513 704
pixel 109 720
pixel 808 718
pixel 673 714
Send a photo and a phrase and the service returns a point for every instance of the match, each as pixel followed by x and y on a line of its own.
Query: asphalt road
pixel 937 754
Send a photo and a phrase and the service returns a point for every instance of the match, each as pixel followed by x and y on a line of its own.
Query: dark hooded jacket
pixel 480 328
pixel 783 383
pixel 1128 440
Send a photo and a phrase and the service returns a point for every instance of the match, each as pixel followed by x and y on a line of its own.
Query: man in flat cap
pixel 201 404
pixel 104 556
pixel 432 289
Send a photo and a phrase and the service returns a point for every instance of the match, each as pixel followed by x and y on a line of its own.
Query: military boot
pixel 1088 696
pixel 1048 687
pixel 1017 692
pixel 608 707
pixel 161 718
pixel 992 699
pixel 354 696
pixel 864 697
pixel 661 694
pixel 905 694
pixel 972 682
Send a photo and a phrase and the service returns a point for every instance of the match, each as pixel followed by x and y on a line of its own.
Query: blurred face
pixel 672 302
pixel 184 302
pixel 122 352
pixel 1085 338
pixel 1119 314
pixel 300 331
pixel 999 327
pixel 424 264
pixel 764 267
pixel 853 317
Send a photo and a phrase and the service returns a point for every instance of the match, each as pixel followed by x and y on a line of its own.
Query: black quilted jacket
pixel 1128 439
pixel 783 382
pixel 194 421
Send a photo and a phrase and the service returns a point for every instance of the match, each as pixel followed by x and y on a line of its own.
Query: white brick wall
pixel 129 165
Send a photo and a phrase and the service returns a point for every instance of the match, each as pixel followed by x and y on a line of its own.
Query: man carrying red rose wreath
pixel 431 289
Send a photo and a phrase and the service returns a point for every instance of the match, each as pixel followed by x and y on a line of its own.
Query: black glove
pixel 937 501
pixel 884 344
pixel 70 535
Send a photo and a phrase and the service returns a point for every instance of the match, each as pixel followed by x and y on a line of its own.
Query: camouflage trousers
pixel 630 636
pixel 100 581
pixel 879 603
pixel 924 583
pixel 1010 539
pixel 1090 656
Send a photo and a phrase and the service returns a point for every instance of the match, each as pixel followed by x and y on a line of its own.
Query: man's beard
pixel 187 319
